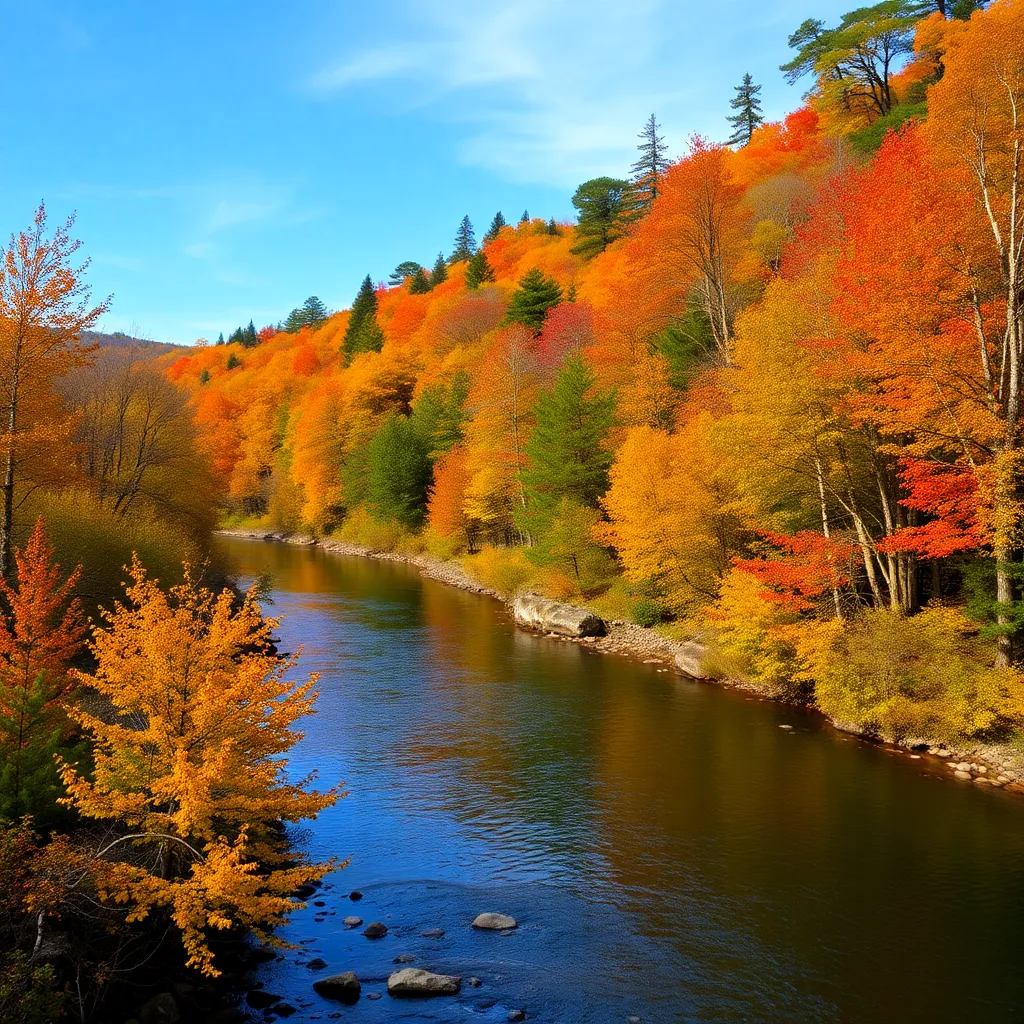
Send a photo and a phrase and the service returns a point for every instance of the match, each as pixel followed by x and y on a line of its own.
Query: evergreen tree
pixel 315 312
pixel 748 114
pixel 553 228
pixel 363 333
pixel 525 219
pixel 419 283
pixel 440 272
pixel 204 377
pixel 465 242
pixel 603 210
pixel 405 269
pixel 533 298
pixel 220 338
pixel 567 455
pixel 399 473
pixel 439 414
pixel 233 361
pixel 570 295
pixel 569 544
pixel 496 225
pixel 235 337
pixel 646 173
pixel 250 339
pixel 479 270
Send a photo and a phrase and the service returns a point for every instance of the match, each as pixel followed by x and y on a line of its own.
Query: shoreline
pixel 994 765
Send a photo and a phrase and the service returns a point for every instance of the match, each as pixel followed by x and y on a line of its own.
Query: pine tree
pixel 478 270
pixel 405 269
pixel 567 454
pixel 204 377
pixel 439 414
pixel 496 225
pixel 603 209
pixel 250 339
pixel 363 333
pixel 646 173
pixel 553 228
pixel 533 298
pixel 315 312
pixel 233 362
pixel 748 116
pixel 465 242
pixel 235 337
pixel 419 283
pixel 440 272
pixel 220 338
pixel 399 473
pixel 525 219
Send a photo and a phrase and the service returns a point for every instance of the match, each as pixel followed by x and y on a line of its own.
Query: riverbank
pixel 986 764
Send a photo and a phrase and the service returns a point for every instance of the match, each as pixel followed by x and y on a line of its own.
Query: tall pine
pixel 440 272
pixel 646 173
pixel 496 225
pixel 478 271
pixel 533 298
pixel 748 114
pixel 525 219
pixel 363 333
pixel 602 205
pixel 465 242
pixel 419 283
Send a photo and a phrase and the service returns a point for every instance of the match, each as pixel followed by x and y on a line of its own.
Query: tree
pixel 439 414
pixel 312 313
pixel 748 114
pixel 250 339
pixel 439 274
pixel 646 173
pixel 496 225
pixel 602 206
pixel 568 543
pixel 363 333
pixel 220 338
pixel 478 271
pixel 465 242
pixel 44 308
pixel 407 268
pixel 553 228
pixel 233 362
pixel 40 634
pixel 419 283
pixel 525 219
pixel 530 302
pixel 567 454
pixel 190 771
pixel 398 473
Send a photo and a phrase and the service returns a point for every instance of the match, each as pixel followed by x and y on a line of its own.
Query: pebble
pixel 355 895
pixel 376 930
pixel 404 958
pixel 352 922
pixel 966 776
pixel 516 1015
pixel 785 727
pixel 475 982
pixel 373 995
pixel 434 933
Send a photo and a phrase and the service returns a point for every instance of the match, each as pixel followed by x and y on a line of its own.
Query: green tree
pixel 204 377
pixel 748 116
pixel 220 338
pixel 553 228
pixel 404 269
pixel 439 414
pixel 363 333
pixel 235 337
pixel 478 271
pixel 399 473
pixel 440 272
pixel 569 544
pixel 496 225
pixel 312 313
pixel 533 298
pixel 419 283
pixel 646 173
pixel 567 455
pixel 525 219
pixel 465 242
pixel 233 361
pixel 603 207
pixel 250 339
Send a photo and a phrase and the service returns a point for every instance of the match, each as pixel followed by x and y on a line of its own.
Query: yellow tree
pixel 44 307
pixel 193 766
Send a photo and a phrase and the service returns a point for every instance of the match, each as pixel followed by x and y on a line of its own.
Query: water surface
pixel 669 851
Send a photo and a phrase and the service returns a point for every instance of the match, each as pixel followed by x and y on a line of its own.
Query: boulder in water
pixel 343 987
pixel 495 922
pixel 411 981
pixel 376 930
pixel 539 612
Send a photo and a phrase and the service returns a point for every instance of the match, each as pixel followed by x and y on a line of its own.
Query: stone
pixel 285 1009
pixel 316 964
pixel 343 987
pixel 434 933
pixel 516 1015
pixel 373 995
pixel 404 958
pixel 785 727
pixel 475 982
pixel 690 660
pixel 965 776
pixel 355 894
pixel 303 892
pixel 352 922
pixel 319 903
pixel 375 930
pixel 411 981
pixel 161 1009
pixel 538 612
pixel 260 1000
pixel 495 922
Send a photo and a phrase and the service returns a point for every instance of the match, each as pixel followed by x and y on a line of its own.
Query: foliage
pixel 465 242
pixel 398 473
pixel 312 313
pixel 495 229
pixel 363 333
pixel 646 172
pixel 478 271
pixel 603 206
pixel 504 570
pixel 748 116
pixel 533 298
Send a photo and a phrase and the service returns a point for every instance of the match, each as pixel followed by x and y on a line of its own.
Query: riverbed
pixel 670 851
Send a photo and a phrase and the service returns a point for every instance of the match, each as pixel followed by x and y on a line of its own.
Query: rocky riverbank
pixel 993 765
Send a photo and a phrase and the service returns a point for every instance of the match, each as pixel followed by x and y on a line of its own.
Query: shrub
pixel 359 527
pixel 506 570
pixel 646 612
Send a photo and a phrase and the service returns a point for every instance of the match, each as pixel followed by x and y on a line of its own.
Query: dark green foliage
pixel 603 207
pixel 398 473
pixel 553 228
pixel 440 272
pixel 748 116
pixel 568 543
pixel 233 361
pixel 478 271
pixel 355 472
pixel 683 344
pixel 533 298
pixel 204 377
pixel 312 313
pixel 236 337
pixel 250 339
pixel 363 333
pixel 419 283
pixel 525 219
pixel 868 139
pixel 220 338
pixel 496 225
pixel 438 415
pixel 404 269
pixel 465 242
pixel 566 452
pixel 646 612
pixel 29 992
pixel 646 173
pixel 979 588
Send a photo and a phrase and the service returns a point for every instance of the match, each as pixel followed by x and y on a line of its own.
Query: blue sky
pixel 226 159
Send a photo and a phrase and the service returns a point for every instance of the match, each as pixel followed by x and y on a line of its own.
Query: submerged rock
pixel 434 933
pixel 411 981
pixel 539 612
pixel 495 922
pixel 343 987
pixel 352 922
pixel 404 958
pixel 375 930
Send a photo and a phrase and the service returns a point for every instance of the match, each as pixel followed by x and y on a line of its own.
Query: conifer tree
pixel 250 339
pixel 603 209
pixel 220 338
pixel 478 271
pixel 748 116
pixel 465 242
pixel 440 272
pixel 440 413
pixel 553 228
pixel 315 312
pixel 419 283
pixel 525 219
pixel 646 173
pixel 363 333
pixel 533 298
pixel 233 362
pixel 399 473
pixel 496 225
pixel 405 269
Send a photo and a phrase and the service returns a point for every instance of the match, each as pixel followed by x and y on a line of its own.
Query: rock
pixel 161 1009
pixel 434 933
pixel 373 995
pixel 352 922
pixel 404 958
pixel 343 987
pixel 319 903
pixel 537 612
pixel 690 660
pixel 355 895
pixel 785 727
pixel 316 964
pixel 516 1015
pixel 475 982
pixel 260 1000
pixel 495 922
pixel 965 776
pixel 375 930
pixel 285 1009
pixel 411 981
pixel 303 892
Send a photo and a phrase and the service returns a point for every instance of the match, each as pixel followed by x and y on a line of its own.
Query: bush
pixel 506 570
pixel 359 527
pixel 445 548
pixel 645 612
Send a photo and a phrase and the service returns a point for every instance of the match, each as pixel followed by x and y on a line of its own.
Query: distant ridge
pixel 121 340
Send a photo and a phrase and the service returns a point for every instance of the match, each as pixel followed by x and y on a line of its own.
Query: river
pixel 670 852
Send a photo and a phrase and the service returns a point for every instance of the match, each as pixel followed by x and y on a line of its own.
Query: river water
pixel 670 853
